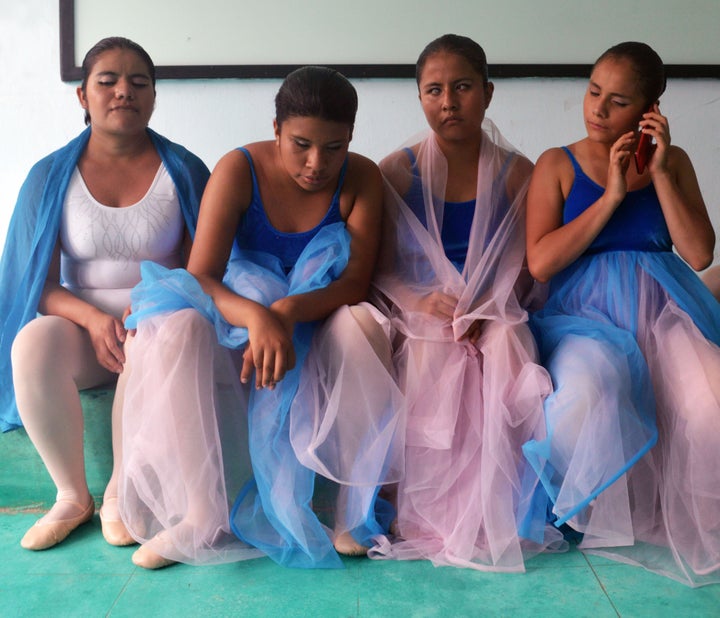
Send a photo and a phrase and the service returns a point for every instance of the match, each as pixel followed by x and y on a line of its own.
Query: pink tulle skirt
pixel 470 409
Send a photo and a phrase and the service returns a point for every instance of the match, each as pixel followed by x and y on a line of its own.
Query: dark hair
pixel 317 92
pixel 646 64
pixel 454 44
pixel 112 42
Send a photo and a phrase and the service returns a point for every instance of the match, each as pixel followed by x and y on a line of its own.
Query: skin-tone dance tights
pixel 52 359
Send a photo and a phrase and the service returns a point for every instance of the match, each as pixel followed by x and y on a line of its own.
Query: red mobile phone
pixel 642 152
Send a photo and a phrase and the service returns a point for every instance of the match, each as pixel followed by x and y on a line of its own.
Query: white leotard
pixel 102 247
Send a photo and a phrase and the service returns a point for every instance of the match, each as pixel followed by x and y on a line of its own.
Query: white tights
pixel 53 359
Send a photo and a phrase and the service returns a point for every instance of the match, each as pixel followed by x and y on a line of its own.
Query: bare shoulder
pixel 362 162
pixel 230 163
pixel 521 168
pixel 230 184
pixel 262 154
pixel 362 171
pixel 678 159
pixel 553 158
pixel 234 168
pixel 554 168
pixel 362 188
pixel 397 169
pixel 260 149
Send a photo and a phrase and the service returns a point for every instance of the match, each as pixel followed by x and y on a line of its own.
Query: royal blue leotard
pixel 256 233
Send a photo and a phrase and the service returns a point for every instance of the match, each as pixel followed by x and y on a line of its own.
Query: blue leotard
pixel 256 233
pixel 457 218
pixel 637 225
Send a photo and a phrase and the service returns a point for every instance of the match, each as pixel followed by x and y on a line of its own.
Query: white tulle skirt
pixel 216 471
pixel 185 438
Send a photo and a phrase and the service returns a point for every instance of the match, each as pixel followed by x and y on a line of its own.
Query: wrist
pixel 660 175
pixel 285 310
pixel 610 201
pixel 283 307
pixel 90 315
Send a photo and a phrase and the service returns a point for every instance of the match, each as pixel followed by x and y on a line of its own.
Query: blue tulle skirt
pixel 633 424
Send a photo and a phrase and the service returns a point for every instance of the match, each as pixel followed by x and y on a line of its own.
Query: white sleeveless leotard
pixel 102 246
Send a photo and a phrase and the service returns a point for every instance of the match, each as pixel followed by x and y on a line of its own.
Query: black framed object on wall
pixel 248 39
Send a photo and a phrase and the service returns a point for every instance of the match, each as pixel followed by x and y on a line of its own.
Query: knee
pixel 372 326
pixel 177 329
pixel 352 328
pixel 37 345
pixel 369 324
pixel 590 373
pixel 515 339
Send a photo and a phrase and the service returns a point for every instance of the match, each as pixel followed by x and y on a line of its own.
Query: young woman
pixel 629 333
pixel 85 218
pixel 299 219
pixel 452 282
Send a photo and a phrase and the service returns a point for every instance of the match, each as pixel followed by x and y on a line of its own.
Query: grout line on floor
pixel 122 591
pixel 602 585
pixel 24 510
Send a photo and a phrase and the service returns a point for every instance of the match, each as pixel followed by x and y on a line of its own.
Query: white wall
pixel 39 113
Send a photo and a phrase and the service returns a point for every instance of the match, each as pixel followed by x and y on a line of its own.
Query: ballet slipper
pixel 45 535
pixel 148 559
pixel 114 530
pixel 346 545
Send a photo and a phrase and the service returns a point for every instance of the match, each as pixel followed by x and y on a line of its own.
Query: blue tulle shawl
pixel 34 229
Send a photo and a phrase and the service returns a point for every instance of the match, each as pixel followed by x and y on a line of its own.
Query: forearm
pixel 319 304
pixel 559 248
pixel 58 300
pixel 237 310
pixel 690 228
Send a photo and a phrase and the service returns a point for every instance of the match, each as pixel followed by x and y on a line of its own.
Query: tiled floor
pixel 86 577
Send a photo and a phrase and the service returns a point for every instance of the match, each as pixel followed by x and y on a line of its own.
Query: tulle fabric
pixel 185 448
pixel 208 439
pixel 470 407
pixel 633 449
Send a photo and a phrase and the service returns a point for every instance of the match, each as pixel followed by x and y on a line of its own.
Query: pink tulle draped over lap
pixel 470 407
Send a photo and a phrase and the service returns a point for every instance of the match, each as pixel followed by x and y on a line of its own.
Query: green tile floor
pixel 86 577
